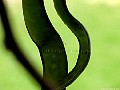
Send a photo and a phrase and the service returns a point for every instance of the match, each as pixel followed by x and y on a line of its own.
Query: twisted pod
pixel 84 43
pixel 49 43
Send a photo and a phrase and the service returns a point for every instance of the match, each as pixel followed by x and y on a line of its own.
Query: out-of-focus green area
pixel 102 21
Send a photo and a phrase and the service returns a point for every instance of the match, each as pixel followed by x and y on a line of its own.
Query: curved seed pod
pixel 49 43
pixel 84 43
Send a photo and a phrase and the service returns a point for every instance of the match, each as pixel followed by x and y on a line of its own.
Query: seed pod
pixel 84 43
pixel 48 41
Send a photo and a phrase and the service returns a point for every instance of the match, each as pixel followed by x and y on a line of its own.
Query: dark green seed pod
pixel 48 41
pixel 84 43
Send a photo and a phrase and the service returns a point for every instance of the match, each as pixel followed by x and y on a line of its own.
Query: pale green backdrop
pixel 102 21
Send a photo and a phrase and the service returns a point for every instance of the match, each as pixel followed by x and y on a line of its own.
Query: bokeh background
pixel 102 21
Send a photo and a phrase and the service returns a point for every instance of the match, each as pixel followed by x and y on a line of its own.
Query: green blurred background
pixel 102 21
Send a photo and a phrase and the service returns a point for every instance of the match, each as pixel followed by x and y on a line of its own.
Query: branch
pixel 12 45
